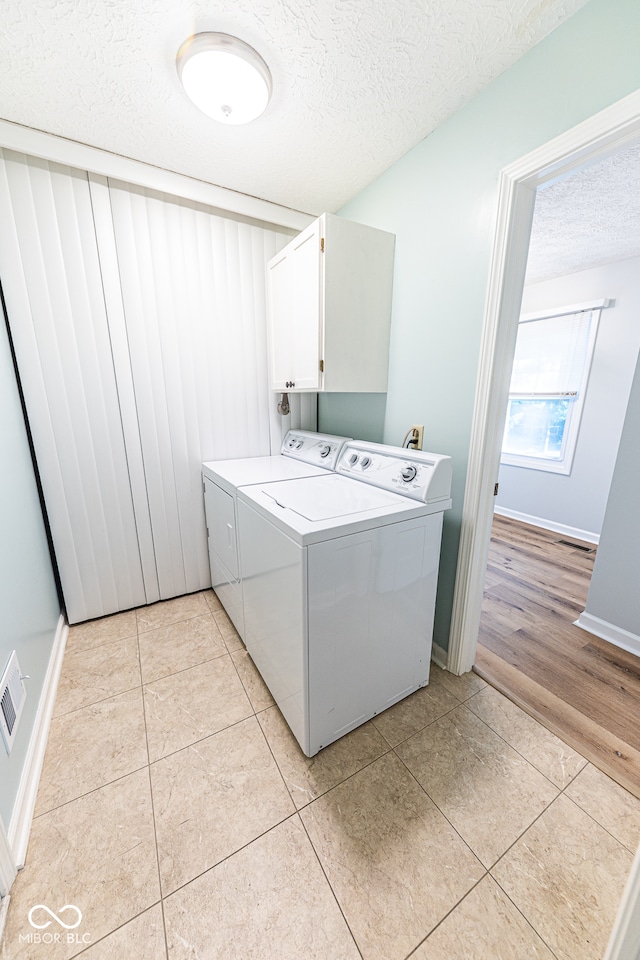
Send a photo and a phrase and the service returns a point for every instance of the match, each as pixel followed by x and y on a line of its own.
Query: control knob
pixel 325 450
pixel 408 473
pixel 365 462
pixel 353 459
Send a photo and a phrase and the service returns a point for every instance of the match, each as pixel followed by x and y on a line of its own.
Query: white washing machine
pixel 303 454
pixel 339 576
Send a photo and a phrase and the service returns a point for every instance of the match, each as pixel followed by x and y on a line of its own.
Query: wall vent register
pixel 13 694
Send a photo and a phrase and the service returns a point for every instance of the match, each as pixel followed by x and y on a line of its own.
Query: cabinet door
pixel 295 311
pixel 306 312
pixel 280 310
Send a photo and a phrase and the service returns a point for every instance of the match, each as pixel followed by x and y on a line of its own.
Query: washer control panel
pixel 412 473
pixel 316 448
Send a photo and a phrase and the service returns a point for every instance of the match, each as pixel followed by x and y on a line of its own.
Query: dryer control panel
pixel 319 449
pixel 413 473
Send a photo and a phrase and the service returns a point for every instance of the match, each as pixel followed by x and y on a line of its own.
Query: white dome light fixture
pixel 225 77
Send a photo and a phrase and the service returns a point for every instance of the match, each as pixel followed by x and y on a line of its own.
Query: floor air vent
pixel 576 546
pixel 12 697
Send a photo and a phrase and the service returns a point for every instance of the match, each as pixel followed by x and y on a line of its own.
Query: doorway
pixel 585 242
pixel 600 136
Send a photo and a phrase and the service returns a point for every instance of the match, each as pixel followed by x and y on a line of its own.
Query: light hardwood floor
pixel 584 689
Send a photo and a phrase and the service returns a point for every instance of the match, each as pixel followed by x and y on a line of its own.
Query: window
pixel 548 384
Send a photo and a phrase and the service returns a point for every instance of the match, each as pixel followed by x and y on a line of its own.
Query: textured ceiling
pixel 589 218
pixel 357 83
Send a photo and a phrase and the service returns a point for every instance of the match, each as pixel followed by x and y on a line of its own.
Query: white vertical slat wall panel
pixel 101 204
pixel 193 288
pixel 51 278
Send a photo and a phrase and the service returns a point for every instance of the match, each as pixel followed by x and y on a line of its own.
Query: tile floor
pixel 178 814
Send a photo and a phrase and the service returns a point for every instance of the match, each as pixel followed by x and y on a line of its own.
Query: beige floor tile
pixel 461 687
pixel 255 687
pixel 140 939
pixel 93 632
pixel 566 875
pixel 614 808
pixel 213 798
pixel 557 761
pixel 309 777
pixel 193 704
pixel 171 611
pixel 484 788
pixel 229 633
pixel 395 864
pixel 485 926
pixel 97 673
pixel 270 901
pixel 96 853
pixel 212 601
pixel 176 646
pixel 92 746
pixel 414 713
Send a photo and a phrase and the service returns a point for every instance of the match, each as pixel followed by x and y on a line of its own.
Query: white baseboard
pixel 562 528
pixel 8 870
pixel 439 656
pixel 20 826
pixel 625 936
pixel 4 906
pixel 608 631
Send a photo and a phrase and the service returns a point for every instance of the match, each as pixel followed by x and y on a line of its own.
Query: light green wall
pixel 356 415
pixel 29 608
pixel 440 201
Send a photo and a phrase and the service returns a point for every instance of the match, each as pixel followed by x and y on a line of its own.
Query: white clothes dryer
pixel 339 575
pixel 303 454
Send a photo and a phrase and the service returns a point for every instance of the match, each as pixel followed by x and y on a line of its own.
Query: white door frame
pixel 599 136
pixel 594 139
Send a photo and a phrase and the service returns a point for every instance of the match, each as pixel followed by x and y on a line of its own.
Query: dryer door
pixel 221 522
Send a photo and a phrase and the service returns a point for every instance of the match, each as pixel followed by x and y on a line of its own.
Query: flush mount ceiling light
pixel 224 77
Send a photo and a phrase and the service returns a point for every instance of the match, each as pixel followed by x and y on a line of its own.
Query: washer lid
pixel 326 498
pixel 231 474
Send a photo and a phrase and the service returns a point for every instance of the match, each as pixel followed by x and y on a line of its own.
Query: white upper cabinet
pixel 330 309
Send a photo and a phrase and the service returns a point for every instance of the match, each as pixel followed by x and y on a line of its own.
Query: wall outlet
pixel 416 444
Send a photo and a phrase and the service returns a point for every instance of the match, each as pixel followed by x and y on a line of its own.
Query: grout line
pixel 208 736
pixel 73 651
pixel 85 706
pixel 442 813
pixel 153 810
pixel 526 759
pixel 175 673
pixel 448 914
pixel 430 723
pixel 330 885
pixel 242 683
pixel 115 930
pixel 526 920
pixel 88 793
pixel 229 856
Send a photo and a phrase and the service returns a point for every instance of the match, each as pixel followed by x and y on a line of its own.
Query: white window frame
pixel 564 464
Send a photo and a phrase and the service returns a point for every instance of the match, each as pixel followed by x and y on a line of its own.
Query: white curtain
pixel 53 289
pixel 139 326
pixel 193 291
